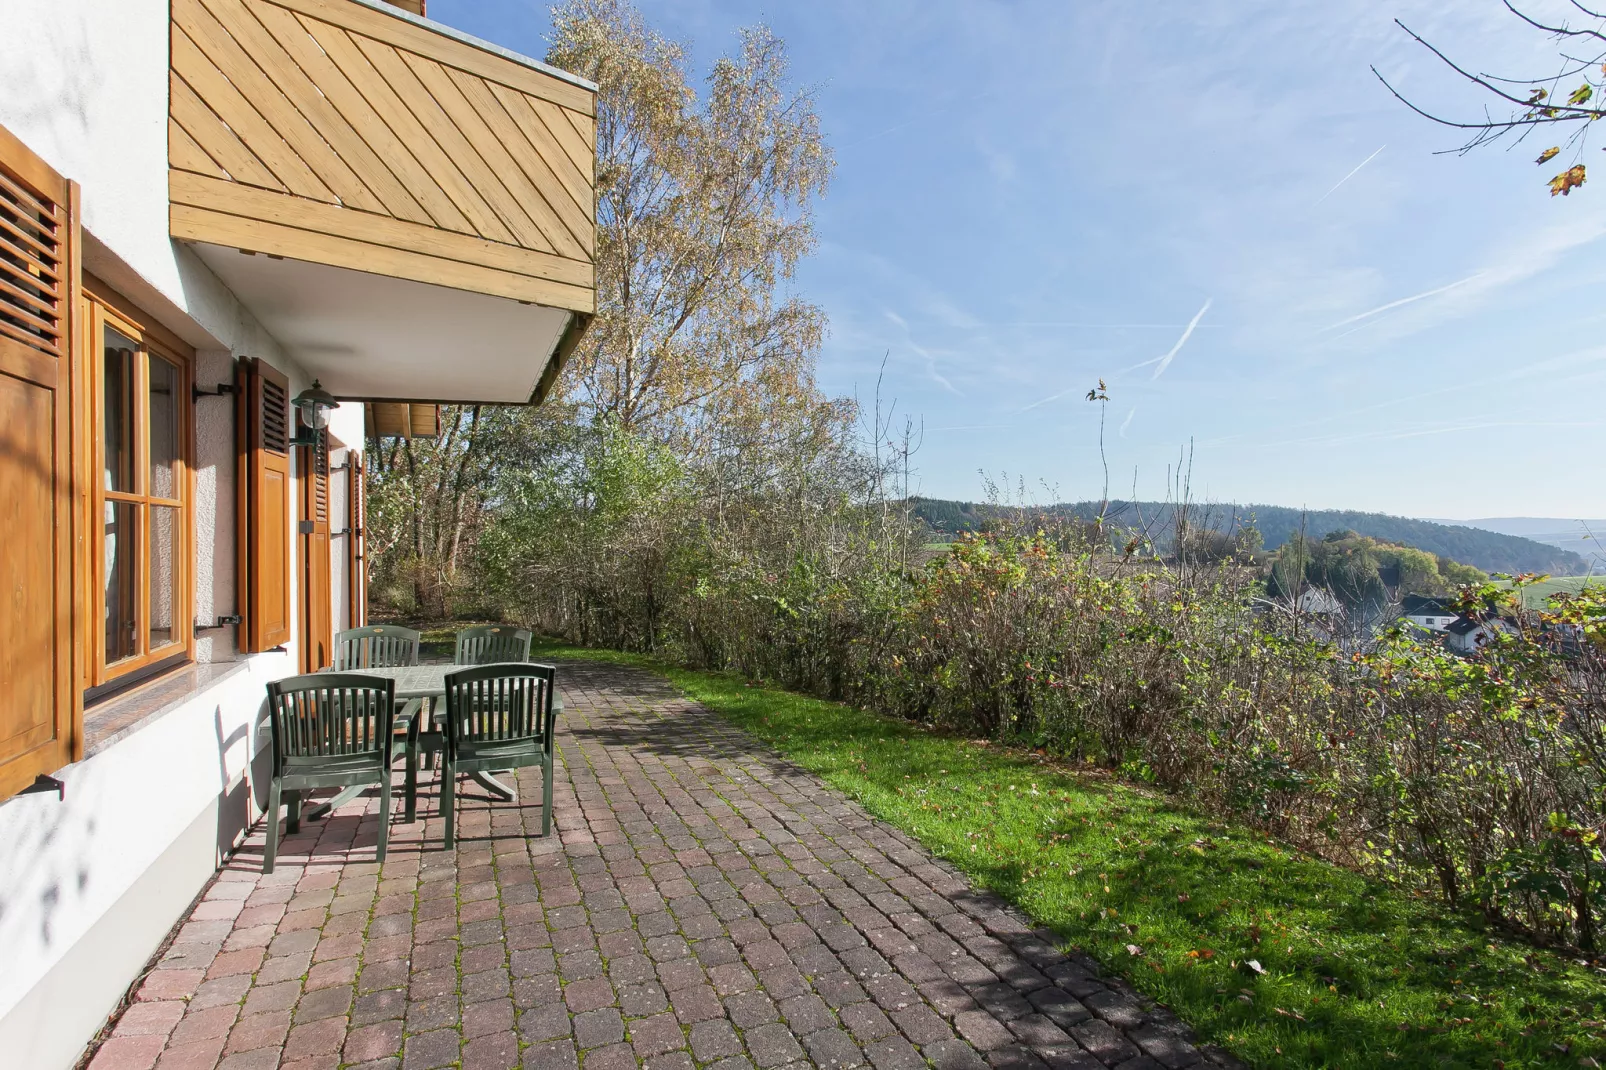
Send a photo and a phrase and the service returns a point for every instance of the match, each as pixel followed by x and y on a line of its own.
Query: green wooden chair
pixel 388 646
pixel 378 646
pixel 489 644
pixel 498 717
pixel 330 730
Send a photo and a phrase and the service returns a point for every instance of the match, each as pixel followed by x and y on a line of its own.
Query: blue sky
pixel 1033 195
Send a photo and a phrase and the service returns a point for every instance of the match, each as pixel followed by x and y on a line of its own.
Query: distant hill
pixel 1582 537
pixel 1489 550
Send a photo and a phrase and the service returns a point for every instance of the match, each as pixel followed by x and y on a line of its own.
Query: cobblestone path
pixel 700 903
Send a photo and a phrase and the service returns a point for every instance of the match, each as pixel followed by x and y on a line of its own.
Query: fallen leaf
pixel 1133 949
pixel 1255 965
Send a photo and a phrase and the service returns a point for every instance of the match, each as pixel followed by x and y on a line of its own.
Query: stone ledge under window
pixel 122 715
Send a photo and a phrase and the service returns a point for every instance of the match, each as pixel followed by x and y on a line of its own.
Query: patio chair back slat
pixel 489 644
pixel 331 715
pixel 377 646
pixel 501 703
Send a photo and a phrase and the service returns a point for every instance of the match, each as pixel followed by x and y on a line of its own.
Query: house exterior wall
pixel 115 850
pixel 91 883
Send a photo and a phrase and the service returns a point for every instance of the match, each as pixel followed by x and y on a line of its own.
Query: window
pixel 140 423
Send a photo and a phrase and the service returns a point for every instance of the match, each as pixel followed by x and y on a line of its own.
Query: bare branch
pixel 1559 31
pixel 1572 111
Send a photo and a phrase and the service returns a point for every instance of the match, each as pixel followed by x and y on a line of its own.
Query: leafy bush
pixel 1479 778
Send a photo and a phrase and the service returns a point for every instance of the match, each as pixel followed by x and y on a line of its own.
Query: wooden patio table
pixel 420 682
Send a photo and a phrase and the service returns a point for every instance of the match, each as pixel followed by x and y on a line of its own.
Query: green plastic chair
pixel 388 646
pixel 498 717
pixel 490 644
pixel 330 730
pixel 378 646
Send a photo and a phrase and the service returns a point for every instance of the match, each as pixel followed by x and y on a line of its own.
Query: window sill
pixel 120 716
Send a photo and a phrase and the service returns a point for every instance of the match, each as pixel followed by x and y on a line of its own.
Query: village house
pixel 231 233
pixel 1429 614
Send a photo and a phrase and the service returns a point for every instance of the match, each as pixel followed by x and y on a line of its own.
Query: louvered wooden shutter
pixel 41 709
pixel 317 613
pixel 356 563
pixel 265 512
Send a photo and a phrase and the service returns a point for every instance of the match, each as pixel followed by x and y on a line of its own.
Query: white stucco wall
pixel 66 864
pixel 86 88
pixel 90 884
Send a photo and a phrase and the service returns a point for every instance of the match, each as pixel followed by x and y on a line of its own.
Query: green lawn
pixel 1538 595
pixel 1285 960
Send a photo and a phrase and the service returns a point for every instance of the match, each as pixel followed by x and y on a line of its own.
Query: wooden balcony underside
pixel 330 131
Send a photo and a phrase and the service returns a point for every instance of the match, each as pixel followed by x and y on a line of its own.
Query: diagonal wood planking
pixel 409 150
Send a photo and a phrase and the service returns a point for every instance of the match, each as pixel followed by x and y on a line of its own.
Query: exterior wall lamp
pixel 314 405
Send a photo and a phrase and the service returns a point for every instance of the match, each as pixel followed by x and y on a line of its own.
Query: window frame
pixel 103 307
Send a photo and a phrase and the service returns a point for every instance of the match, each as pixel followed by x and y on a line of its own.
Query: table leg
pixel 495 787
pixel 318 811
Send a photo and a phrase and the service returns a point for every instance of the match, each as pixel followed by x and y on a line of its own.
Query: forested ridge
pixel 1487 550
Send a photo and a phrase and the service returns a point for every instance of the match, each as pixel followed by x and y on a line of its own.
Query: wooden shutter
pixel 317 613
pixel 356 564
pixel 42 709
pixel 265 506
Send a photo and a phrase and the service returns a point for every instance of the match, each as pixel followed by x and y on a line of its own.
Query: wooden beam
pixel 187 223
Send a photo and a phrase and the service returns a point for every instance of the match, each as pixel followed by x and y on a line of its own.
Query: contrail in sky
pixel 1396 304
pixel 1045 401
pixel 1126 422
pixel 1165 361
pixel 1349 176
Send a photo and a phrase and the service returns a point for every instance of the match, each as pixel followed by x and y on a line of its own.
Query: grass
pixel 1285 960
pixel 1538 595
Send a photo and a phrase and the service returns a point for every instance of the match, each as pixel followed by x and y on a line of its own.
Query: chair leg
pixel 384 816
pixel 271 850
pixel 412 782
pixel 449 801
pixel 292 811
pixel 546 795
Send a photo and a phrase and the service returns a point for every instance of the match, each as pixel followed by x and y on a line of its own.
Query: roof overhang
pixel 371 337
pixel 411 212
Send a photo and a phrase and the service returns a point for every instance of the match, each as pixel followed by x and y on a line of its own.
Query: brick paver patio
pixel 701 902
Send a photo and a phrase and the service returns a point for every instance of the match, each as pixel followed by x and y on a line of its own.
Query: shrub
pixel 1479 778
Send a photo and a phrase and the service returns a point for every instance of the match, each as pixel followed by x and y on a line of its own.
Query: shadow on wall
pixel 234 812
pixel 27 871
pixel 261 770
pixel 62 83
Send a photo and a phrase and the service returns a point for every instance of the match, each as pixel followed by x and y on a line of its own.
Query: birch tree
pixel 704 210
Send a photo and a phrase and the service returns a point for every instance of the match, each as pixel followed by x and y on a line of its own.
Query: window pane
pixel 118 406
pixel 164 416
pixel 122 581
pixel 164 576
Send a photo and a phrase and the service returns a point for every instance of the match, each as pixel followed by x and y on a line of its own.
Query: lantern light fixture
pixel 314 404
